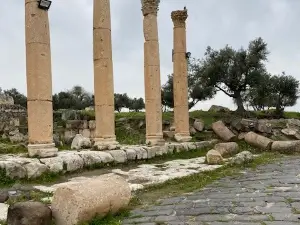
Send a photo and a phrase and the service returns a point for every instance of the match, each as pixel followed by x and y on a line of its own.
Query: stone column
pixel 180 82
pixel 154 135
pixel 103 77
pixel 39 81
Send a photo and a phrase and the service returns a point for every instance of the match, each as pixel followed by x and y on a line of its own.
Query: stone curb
pixel 20 167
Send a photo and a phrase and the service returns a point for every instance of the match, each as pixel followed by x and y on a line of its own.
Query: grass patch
pixel 6 147
pixel 31 195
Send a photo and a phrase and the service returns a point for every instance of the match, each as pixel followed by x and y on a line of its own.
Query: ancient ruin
pixel 154 135
pixel 103 77
pixel 39 81
pixel 180 83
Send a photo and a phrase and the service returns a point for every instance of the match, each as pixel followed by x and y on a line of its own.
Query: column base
pixel 105 144
pixel 42 150
pixel 155 140
pixel 182 137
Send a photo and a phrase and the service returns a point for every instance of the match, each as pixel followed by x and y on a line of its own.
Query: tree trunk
pixel 239 102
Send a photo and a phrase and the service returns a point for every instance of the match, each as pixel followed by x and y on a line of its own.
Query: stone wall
pixel 13 122
pixel 84 127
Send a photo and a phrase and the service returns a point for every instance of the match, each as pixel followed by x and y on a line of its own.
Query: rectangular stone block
pixel 37 24
pixel 40 122
pixel 101 15
pixel 153 117
pixel 150 27
pixel 102 44
pixel 38 71
pixel 103 82
pixel 152 49
pixel 179 39
pixel 105 120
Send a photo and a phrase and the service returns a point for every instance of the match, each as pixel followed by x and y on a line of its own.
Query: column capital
pixel 179 17
pixel 150 7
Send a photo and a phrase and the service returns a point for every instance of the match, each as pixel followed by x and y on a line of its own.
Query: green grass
pixel 6 147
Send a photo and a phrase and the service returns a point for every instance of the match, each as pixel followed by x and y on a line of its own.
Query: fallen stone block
pixel 214 157
pixel 223 132
pixel 78 203
pixel 29 213
pixel 80 142
pixel 286 146
pixel 242 158
pixel 227 149
pixel 258 141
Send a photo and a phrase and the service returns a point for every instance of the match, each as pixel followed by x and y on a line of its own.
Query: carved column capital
pixel 179 17
pixel 150 7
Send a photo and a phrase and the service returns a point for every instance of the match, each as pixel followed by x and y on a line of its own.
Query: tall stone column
pixel 180 82
pixel 154 135
pixel 103 77
pixel 39 81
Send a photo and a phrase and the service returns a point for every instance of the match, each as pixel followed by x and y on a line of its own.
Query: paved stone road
pixel 270 195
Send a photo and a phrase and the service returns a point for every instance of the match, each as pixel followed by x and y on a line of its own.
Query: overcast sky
pixel 211 22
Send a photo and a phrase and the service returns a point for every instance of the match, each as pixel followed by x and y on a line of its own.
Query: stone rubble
pixel 19 166
pixel 147 174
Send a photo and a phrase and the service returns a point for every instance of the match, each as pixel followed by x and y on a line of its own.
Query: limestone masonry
pixel 39 78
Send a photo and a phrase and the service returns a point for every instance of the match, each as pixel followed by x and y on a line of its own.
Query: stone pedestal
pixel 154 134
pixel 39 81
pixel 180 82
pixel 103 77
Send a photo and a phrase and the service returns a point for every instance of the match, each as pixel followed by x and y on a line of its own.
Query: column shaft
pixel 39 81
pixel 180 82
pixel 103 77
pixel 154 135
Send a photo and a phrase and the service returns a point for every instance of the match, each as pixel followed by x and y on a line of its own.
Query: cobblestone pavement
pixel 270 195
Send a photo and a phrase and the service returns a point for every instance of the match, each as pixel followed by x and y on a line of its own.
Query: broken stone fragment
pixel 227 149
pixel 258 141
pixel 213 157
pixel 29 213
pixel 223 132
pixel 81 202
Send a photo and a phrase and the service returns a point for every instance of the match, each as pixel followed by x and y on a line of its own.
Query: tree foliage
pixel 196 90
pixel 19 98
pixel 233 71
pixel 136 104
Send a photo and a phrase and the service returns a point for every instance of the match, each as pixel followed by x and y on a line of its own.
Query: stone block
pixel 141 153
pixel 222 131
pixel 80 142
pixel 29 213
pixel 118 155
pixel 85 133
pixel 55 164
pixel 92 124
pixel 131 154
pixel 258 141
pixel 227 149
pixel 78 203
pixel 35 170
pixel 213 157
pixel 72 161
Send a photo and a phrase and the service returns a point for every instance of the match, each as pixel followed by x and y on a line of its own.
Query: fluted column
pixel 103 77
pixel 180 82
pixel 39 81
pixel 154 135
